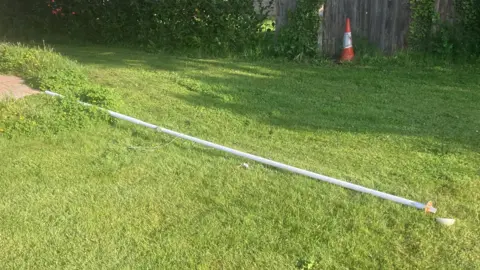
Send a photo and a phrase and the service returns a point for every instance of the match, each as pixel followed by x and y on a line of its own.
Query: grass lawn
pixel 125 197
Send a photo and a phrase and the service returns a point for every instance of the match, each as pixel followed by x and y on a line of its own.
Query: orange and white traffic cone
pixel 347 53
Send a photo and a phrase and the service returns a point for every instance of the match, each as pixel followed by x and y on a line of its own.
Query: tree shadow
pixel 412 101
pixel 348 100
pixel 123 58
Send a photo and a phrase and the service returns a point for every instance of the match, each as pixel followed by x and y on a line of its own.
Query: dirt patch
pixel 12 86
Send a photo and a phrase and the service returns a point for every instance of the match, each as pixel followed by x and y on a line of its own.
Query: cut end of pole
pixel 446 221
pixel 429 208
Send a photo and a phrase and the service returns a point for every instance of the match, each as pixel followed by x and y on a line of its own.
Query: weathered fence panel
pixel 445 9
pixel 385 23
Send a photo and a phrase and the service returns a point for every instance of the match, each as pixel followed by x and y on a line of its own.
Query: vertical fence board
pixel 383 22
pixel 445 9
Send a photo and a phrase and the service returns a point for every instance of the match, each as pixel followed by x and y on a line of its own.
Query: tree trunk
pixel 282 7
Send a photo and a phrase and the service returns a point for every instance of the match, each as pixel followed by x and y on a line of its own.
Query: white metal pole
pixel 276 164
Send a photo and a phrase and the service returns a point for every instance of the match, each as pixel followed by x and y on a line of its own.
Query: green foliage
pixel 468 30
pixel 298 39
pixel 456 38
pixel 45 70
pixel 422 22
pixel 22 18
pixel 213 26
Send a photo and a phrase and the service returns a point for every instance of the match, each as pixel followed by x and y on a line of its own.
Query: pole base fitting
pixel 429 208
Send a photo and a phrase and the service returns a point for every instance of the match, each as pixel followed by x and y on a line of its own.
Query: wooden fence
pixel 384 23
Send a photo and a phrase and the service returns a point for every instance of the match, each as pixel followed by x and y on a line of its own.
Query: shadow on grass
pixel 440 102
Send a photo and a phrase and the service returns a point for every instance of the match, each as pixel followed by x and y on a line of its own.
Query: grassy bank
pixel 114 195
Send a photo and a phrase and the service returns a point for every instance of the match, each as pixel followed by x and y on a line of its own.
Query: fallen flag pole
pixel 428 208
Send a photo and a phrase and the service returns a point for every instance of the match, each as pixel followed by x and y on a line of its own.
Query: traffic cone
pixel 347 53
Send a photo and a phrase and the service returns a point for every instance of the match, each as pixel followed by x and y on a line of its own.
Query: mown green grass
pixel 119 196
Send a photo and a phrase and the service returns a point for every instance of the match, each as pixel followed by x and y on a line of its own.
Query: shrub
pixel 213 26
pixel 457 39
pixel 209 25
pixel 298 39
pixel 468 28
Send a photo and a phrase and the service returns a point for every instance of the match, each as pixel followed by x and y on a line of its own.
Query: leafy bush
pixel 210 25
pixel 45 70
pixel 423 12
pixel 458 39
pixel 298 39
pixel 468 27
